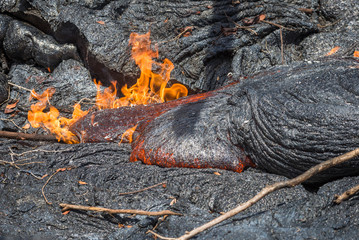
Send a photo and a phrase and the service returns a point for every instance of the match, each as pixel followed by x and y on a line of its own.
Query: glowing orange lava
pixel 332 51
pixel 151 87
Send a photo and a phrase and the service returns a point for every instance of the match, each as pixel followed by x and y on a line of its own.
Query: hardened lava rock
pixel 285 120
pixel 3 88
pixel 24 42
pixel 4 24
pixel 200 195
pixel 201 38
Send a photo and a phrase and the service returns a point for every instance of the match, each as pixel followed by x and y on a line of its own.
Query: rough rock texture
pixel 4 91
pixel 200 195
pixel 304 113
pixel 339 28
pixel 285 120
pixel 71 80
pixel 4 24
pixel 24 42
pixel 208 49
pixel 202 59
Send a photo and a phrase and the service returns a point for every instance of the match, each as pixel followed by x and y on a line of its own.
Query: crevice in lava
pixel 69 33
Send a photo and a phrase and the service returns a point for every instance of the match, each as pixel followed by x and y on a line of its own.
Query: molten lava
pixel 151 87
pixel 333 50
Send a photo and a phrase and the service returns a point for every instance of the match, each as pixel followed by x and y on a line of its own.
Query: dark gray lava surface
pixel 82 40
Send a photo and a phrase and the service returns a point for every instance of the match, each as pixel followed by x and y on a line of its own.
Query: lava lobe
pixel 284 120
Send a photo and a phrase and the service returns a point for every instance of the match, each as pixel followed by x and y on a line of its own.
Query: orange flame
pixel 50 120
pixel 151 87
pixel 127 135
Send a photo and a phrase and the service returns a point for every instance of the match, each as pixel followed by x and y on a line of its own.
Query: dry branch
pixel 248 28
pixel 27 136
pixel 344 196
pixel 11 120
pixel 20 87
pixel 277 25
pixel 265 191
pixel 143 189
pixel 159 236
pixel 66 207
pixel 48 180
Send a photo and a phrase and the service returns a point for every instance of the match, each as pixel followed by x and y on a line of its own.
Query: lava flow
pixel 151 87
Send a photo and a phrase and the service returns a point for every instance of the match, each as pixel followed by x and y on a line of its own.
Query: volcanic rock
pixel 198 194
pixel 340 26
pixel 201 38
pixel 209 48
pixel 3 88
pixel 71 80
pixel 191 34
pixel 23 42
pixel 285 120
pixel 4 23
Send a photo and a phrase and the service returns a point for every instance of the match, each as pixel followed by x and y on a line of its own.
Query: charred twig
pixel 281 27
pixel 21 162
pixel 27 136
pixel 159 236
pixel 277 25
pixel 306 10
pixel 186 30
pixel 37 150
pixel 48 180
pixel 15 85
pixel 34 175
pixel 346 194
pixel 329 24
pixel 66 207
pixel 160 220
pixel 248 28
pixel 90 101
pixel 15 164
pixel 143 189
pixel 265 191
pixel 13 122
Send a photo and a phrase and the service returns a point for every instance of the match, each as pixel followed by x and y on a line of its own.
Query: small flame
pixel 127 135
pixel 107 98
pixel 151 87
pixel 50 120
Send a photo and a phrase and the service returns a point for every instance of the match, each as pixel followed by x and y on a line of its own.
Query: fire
pixel 127 135
pixel 50 120
pixel 151 87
